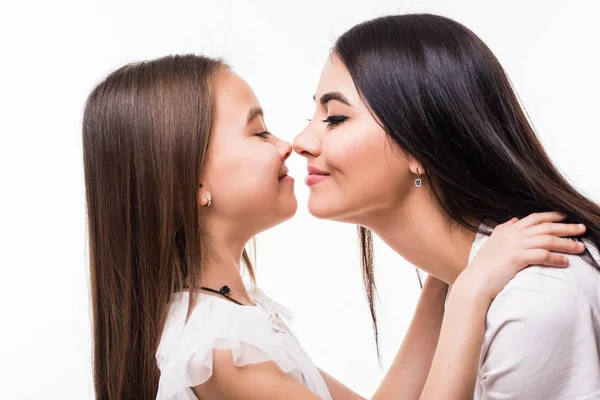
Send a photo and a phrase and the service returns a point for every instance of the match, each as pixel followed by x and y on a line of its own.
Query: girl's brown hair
pixel 146 131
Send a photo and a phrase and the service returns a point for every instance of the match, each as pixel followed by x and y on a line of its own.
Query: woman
pixel 180 174
pixel 419 137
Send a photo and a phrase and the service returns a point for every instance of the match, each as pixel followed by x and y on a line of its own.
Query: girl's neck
pixel 222 267
pixel 217 275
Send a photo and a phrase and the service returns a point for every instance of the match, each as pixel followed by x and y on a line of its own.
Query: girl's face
pixel 354 169
pixel 245 173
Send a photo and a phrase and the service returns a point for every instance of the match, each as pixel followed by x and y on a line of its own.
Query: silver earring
pixel 207 197
pixel 419 181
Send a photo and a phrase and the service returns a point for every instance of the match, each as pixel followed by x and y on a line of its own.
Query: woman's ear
pixel 415 166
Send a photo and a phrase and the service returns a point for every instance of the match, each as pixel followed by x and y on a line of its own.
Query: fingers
pixel 538 218
pixel 508 223
pixel 556 229
pixel 547 258
pixel 555 244
pixel 504 228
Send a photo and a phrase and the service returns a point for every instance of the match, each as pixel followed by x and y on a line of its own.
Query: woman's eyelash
pixel 264 135
pixel 334 120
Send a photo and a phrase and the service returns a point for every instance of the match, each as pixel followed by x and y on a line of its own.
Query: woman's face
pixel 354 169
pixel 245 173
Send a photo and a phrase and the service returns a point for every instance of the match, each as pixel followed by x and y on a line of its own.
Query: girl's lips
pixel 286 178
pixel 283 175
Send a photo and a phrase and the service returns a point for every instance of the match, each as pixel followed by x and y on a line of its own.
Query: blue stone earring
pixel 419 181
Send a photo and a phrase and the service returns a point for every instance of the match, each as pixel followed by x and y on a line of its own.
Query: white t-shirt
pixel 542 336
pixel 254 334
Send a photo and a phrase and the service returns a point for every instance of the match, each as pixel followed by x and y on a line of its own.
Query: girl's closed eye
pixel 334 120
pixel 264 135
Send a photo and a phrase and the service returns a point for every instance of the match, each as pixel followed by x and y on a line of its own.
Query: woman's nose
pixel 307 143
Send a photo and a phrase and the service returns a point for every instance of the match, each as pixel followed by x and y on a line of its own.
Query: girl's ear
pixel 203 197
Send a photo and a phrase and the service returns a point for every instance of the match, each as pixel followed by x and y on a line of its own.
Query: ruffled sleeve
pixel 252 334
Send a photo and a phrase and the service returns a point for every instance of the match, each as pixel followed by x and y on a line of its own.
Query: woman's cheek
pixel 353 149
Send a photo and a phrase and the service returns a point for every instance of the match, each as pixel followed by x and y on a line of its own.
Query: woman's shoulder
pixel 544 300
pixel 579 282
pixel 542 325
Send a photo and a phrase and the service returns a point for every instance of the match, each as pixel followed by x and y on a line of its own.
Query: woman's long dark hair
pixel 146 129
pixel 441 95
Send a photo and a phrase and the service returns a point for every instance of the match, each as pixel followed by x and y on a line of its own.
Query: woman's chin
pixel 321 209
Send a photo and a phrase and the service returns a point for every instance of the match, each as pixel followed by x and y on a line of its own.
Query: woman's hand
pixel 538 239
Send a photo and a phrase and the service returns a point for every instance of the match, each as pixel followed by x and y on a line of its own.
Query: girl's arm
pixel 338 390
pixel 511 247
pixel 409 370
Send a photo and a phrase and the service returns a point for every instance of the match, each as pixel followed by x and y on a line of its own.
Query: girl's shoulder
pixel 253 334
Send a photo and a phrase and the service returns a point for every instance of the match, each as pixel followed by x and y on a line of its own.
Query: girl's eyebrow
pixel 255 112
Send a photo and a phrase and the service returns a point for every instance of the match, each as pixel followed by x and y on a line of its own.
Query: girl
pixel 419 137
pixel 180 174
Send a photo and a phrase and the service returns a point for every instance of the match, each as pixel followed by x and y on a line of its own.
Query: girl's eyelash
pixel 264 135
pixel 334 120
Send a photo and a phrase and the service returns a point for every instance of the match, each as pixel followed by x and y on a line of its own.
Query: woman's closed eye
pixel 334 120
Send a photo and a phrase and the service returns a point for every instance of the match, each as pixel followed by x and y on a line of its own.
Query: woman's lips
pixel 314 179
pixel 315 176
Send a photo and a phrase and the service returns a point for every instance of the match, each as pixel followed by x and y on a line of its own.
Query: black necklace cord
pixel 224 292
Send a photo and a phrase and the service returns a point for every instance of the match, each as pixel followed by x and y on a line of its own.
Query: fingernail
pixel 565 261
pixel 581 226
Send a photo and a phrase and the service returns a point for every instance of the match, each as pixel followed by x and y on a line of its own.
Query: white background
pixel 53 52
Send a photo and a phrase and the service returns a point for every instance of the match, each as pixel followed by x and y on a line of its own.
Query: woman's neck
pixel 420 232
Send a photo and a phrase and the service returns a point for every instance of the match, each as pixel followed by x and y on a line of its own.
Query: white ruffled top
pixel 254 334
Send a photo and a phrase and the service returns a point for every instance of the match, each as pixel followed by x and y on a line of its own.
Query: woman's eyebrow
pixel 327 97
